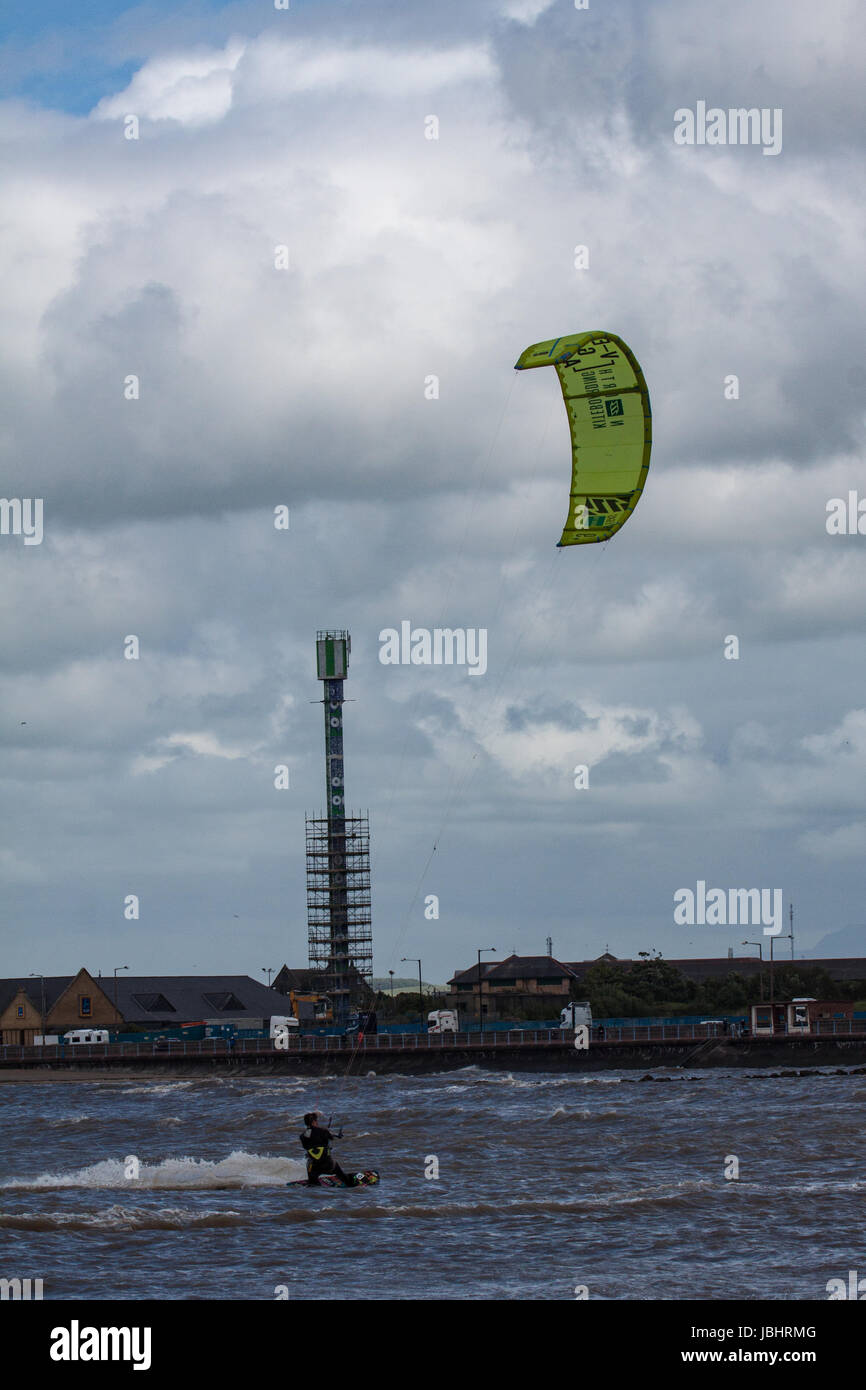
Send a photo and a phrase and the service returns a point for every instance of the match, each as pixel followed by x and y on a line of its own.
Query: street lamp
pixel 268 970
pixel 760 947
pixel 484 950
pixel 772 989
pixel 116 968
pixel 391 973
pixel 34 975
pixel 420 986
pixel 772 994
pixel 772 939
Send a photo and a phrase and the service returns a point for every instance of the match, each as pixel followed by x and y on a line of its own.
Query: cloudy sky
pixel 303 385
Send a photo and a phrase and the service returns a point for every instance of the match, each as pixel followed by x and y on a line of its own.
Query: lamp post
pixel 420 986
pixel 34 975
pixel 391 973
pixel 116 968
pixel 760 947
pixel 772 939
pixel 268 970
pixel 772 1012
pixel 481 950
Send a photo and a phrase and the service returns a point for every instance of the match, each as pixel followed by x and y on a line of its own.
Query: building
pixel 54 1003
pixel 511 985
pixel 717 967
pixel 522 983
pixel 798 1017
pixel 303 981
pixel 140 1001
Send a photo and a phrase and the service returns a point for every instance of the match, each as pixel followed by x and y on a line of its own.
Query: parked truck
pixel 575 1014
pixel 283 1025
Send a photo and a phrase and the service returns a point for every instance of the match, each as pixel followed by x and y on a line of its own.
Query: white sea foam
pixel 163 1089
pixel 121 1218
pixel 240 1169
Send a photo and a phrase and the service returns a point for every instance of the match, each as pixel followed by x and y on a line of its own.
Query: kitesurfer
pixel 317 1140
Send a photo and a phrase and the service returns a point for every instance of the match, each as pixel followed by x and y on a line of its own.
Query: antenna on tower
pixel 550 945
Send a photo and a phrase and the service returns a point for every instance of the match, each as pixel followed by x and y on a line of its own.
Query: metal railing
pixel 378 1042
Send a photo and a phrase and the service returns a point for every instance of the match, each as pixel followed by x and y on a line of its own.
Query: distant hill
pixel 847 941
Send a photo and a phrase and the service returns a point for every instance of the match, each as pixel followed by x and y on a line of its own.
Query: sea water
pixel 494 1186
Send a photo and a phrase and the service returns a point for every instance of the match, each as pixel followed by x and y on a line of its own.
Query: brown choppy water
pixel 545 1182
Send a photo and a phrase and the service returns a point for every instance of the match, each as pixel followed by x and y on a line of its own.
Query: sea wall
pixel 792 1053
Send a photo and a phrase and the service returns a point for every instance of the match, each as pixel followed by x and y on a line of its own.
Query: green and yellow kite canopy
pixel 611 429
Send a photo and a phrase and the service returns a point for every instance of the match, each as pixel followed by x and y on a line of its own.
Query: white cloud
pixel 526 11
pixel 194 88
pixel 198 87
pixel 203 744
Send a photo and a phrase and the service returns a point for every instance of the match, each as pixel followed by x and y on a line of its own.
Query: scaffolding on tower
pixel 338 855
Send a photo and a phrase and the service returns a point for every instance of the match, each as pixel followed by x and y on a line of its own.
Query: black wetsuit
pixel 317 1141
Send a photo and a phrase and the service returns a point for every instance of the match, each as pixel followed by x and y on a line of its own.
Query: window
pixel 20 1010
pixel 84 1008
pixel 221 1002
pixel 154 1003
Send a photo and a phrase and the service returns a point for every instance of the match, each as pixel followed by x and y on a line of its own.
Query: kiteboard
pixel 368 1178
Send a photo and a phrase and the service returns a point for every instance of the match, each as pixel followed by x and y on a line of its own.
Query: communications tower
pixel 338 854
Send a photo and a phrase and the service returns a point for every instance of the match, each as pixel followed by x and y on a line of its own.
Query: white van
pixel 86 1035
pixel 442 1021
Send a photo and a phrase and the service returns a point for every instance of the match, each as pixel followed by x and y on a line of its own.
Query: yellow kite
pixel 611 429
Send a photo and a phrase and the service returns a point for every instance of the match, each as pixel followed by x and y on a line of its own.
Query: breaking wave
pixel 240 1169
